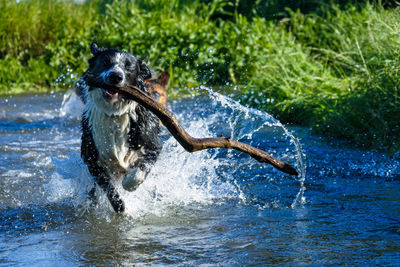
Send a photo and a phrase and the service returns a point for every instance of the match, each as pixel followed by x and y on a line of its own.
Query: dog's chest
pixel 110 135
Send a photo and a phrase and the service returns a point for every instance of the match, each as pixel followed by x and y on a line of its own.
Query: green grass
pixel 361 45
pixel 331 67
pixel 39 39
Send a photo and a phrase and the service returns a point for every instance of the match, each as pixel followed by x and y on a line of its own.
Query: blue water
pixel 213 207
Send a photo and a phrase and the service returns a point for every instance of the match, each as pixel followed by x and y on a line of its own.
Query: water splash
pixel 197 178
pixel 268 121
pixel 66 79
pixel 71 105
pixel 191 179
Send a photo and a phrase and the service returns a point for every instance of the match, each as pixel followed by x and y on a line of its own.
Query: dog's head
pixel 115 68
pixel 157 87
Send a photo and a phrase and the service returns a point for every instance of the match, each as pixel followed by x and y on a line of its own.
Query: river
pixel 213 207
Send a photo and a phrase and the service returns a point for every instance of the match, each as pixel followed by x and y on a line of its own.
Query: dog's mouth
pixel 109 94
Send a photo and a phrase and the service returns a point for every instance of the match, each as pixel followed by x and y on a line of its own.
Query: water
pixel 214 207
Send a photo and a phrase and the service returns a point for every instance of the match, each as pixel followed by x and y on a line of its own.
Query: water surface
pixel 214 207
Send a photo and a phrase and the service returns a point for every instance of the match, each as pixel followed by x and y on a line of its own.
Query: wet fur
pixel 157 87
pixel 119 137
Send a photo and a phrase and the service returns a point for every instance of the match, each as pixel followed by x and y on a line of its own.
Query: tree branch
pixel 188 142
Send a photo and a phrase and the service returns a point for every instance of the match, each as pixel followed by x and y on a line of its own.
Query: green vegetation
pixel 330 66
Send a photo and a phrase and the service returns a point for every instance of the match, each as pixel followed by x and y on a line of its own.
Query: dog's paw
pixel 133 180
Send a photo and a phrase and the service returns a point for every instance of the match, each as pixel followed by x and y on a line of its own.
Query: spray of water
pixel 71 106
pixel 269 121
pixel 179 178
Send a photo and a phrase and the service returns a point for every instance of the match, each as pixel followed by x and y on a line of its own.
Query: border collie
pixel 120 138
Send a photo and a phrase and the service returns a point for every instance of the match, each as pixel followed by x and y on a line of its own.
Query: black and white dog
pixel 119 137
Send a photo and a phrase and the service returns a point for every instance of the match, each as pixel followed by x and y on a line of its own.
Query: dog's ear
pixel 95 49
pixel 144 70
pixel 163 79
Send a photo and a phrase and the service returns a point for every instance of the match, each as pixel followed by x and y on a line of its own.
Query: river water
pixel 214 207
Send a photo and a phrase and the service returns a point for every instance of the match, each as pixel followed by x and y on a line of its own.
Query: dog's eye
pixel 128 64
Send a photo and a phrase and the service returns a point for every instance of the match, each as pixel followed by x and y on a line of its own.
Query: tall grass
pixel 330 67
pixel 361 45
pixel 40 38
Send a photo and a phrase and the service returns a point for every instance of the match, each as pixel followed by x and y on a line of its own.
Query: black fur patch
pixel 144 126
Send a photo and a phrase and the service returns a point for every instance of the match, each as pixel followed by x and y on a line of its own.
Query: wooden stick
pixel 188 142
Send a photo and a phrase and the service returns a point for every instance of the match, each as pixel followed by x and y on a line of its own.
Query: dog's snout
pixel 115 77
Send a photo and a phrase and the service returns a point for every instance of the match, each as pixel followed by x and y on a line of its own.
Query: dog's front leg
pixel 116 202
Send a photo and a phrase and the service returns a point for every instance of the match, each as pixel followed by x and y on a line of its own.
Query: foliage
pixel 278 9
pixel 40 38
pixel 361 45
pixel 332 67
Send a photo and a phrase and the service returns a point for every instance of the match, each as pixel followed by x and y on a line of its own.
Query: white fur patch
pixel 111 108
pixel 110 124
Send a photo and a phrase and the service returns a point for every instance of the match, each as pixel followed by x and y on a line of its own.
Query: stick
pixel 188 142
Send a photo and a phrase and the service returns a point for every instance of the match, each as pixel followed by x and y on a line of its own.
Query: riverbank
pixel 331 68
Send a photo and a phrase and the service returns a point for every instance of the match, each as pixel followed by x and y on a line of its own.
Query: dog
pixel 120 138
pixel 157 87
